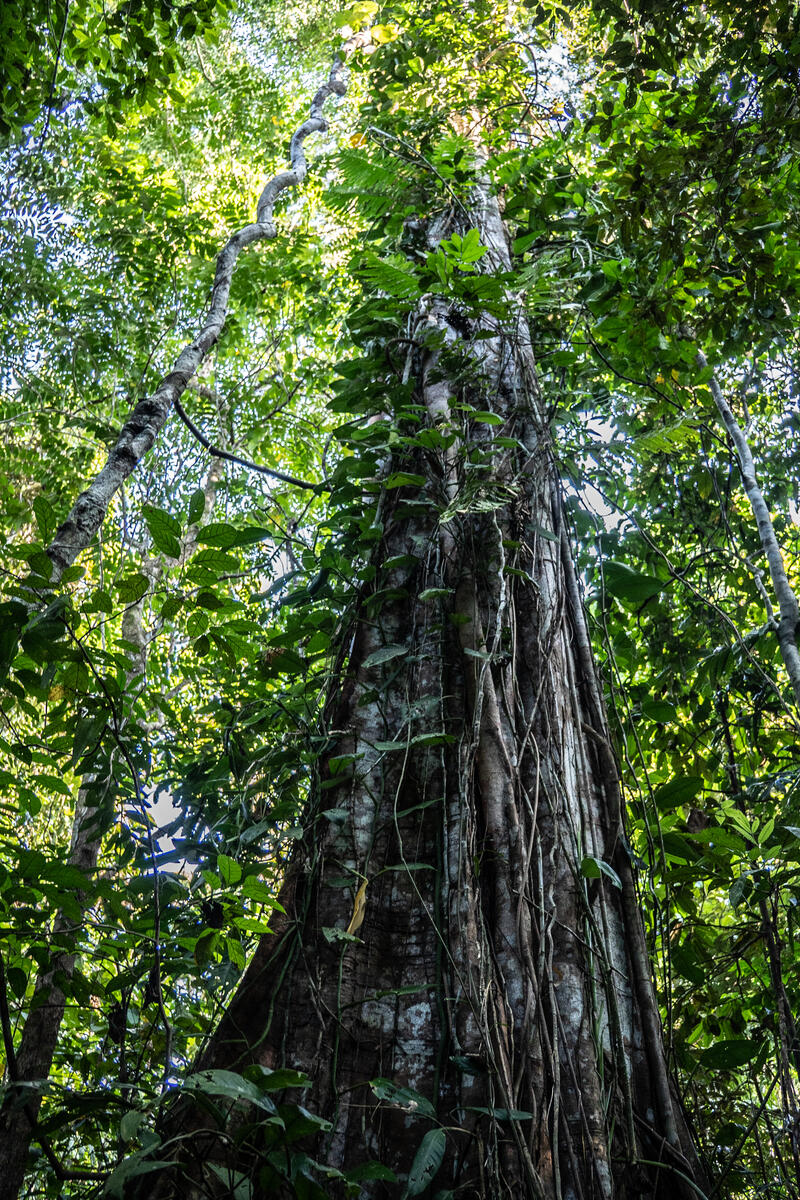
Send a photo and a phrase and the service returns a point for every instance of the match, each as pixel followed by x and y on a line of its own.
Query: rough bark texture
pixel 468 777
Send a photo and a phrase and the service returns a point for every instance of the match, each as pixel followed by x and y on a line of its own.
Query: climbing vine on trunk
pixel 461 971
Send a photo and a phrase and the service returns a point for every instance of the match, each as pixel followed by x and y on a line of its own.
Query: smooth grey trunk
pixel 501 964
pixel 788 624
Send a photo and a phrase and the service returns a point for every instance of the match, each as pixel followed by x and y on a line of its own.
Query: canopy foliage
pixel 646 160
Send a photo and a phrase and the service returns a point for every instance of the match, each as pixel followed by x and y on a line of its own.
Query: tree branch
pixel 5 1023
pixel 140 431
pixel 218 452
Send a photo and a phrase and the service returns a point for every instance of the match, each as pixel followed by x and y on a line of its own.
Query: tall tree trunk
pixel 500 968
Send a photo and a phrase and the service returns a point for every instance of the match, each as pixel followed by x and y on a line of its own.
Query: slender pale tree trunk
pixel 500 965
pixel 39 1037
pixel 787 626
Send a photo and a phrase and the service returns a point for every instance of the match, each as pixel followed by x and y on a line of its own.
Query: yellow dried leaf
pixel 359 908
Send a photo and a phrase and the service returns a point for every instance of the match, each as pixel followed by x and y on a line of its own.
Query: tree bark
pixel 469 782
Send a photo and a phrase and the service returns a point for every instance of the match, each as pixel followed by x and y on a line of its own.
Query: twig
pixel 53 81
pixel 218 452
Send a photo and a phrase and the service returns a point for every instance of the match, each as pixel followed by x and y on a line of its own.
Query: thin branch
pixel 376 134
pixel 645 383
pixel 218 452
pixel 56 64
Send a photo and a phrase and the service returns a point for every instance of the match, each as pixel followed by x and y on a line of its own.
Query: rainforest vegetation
pixel 399 560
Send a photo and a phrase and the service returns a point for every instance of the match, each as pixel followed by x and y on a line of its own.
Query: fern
pixel 478 496
pixel 667 438
pixel 372 185
pixel 392 275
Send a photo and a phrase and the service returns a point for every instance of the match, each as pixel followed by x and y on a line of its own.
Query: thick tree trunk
pixel 469 778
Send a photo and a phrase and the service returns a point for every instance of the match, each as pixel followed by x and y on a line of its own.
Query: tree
pixel 458 969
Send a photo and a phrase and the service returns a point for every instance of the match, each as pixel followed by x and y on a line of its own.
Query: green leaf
pixel 426 1162
pixel 435 593
pixel 196 507
pixel 381 34
pixel 205 946
pixel 370 1170
pixel 66 876
pixel 593 868
pixel 677 792
pixel 277 1080
pixel 132 587
pixel 131 1167
pixel 209 600
pixel 403 1097
pixel 729 1053
pixel 201 646
pixel 164 530
pixel 224 536
pixel 219 534
pixel 88 731
pixel 17 981
pixel 214 561
pixel 54 783
pixel 40 564
pixel 384 654
pixel 471 249
pixel 404 479
pixel 620 581
pixel 46 520
pixel 101 601
pixel 229 870
pixel 229 1086
pixel 129 1125
pixel 257 890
